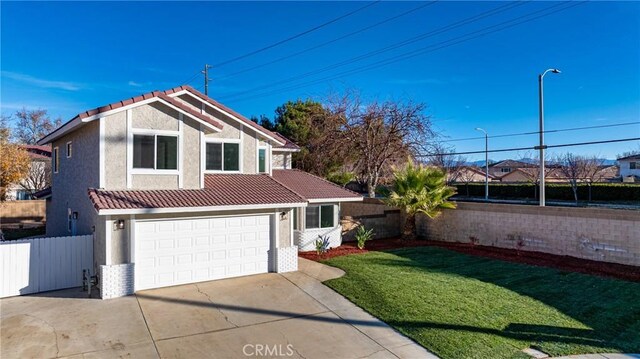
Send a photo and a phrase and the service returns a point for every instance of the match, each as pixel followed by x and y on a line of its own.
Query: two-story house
pixel 177 188
pixel 629 168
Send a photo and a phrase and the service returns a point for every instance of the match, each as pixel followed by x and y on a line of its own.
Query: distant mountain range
pixel 480 163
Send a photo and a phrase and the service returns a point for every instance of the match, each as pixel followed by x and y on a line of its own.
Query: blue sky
pixel 69 57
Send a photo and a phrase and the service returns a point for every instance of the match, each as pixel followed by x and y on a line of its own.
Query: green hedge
pixel 558 191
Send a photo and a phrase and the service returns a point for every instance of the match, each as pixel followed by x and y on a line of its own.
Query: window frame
pixel 319 206
pixel 266 159
pixel 222 141
pixel 55 160
pixel 69 149
pixel 155 134
pixel 505 170
pixel 633 165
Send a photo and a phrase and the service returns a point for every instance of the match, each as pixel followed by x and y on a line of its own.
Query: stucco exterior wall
pixel 155 116
pixel 74 177
pixel 278 160
pixel 249 151
pixel 600 234
pixel 625 168
pixel 115 150
pixel 154 182
pixel 191 154
pixel 284 234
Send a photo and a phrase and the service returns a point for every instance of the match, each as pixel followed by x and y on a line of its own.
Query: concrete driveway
pixel 269 315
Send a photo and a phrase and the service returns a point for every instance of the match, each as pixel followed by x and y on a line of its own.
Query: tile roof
pixel 164 95
pixel 42 194
pixel 220 190
pixel 311 187
pixel 38 152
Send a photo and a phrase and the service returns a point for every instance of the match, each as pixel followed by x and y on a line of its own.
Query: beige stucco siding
pixel 250 153
pixel 284 234
pixel 115 150
pixel 154 181
pixel 191 154
pixel 70 185
pixel 155 116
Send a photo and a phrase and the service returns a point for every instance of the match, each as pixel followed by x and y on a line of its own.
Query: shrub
pixel 322 244
pixel 363 235
pixel 557 191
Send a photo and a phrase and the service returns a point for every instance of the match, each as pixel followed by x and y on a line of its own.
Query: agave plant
pixel 419 189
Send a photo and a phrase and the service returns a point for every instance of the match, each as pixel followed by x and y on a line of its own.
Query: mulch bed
pixel 566 263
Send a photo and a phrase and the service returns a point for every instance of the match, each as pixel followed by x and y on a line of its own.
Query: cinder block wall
pixel 22 211
pixel 372 213
pixel 592 233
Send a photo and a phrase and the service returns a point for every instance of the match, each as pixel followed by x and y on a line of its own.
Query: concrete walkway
pixel 601 356
pixel 268 315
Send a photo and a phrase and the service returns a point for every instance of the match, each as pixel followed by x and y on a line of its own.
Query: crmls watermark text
pixel 266 350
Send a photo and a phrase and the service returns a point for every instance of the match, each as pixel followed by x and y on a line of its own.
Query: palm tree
pixel 419 189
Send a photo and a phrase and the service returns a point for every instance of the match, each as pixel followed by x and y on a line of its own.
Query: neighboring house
pixel 39 175
pixel 177 188
pixel 629 168
pixel 501 168
pixel 468 174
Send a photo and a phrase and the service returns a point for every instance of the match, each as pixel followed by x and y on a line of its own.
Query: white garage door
pixel 172 252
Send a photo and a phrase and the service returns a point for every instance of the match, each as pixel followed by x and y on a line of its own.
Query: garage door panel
pixel 183 251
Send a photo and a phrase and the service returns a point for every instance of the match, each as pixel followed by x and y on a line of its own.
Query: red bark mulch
pixel 565 263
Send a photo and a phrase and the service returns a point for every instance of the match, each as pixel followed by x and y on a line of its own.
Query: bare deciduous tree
pixel 32 125
pixel 38 177
pixel 573 168
pixel 593 171
pixel 468 174
pixel 378 133
pixel 442 158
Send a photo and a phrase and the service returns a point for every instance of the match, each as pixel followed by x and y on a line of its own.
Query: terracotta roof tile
pixel 220 190
pixel 310 187
pixel 288 144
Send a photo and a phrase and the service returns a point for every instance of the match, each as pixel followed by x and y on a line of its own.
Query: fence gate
pixel 42 264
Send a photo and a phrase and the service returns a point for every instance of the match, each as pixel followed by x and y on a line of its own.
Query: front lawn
pixel 462 306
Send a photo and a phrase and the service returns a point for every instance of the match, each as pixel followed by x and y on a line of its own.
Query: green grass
pixel 461 306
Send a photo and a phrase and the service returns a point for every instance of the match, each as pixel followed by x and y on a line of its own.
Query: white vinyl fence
pixel 42 264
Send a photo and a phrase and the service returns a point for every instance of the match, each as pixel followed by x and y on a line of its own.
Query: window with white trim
pixel 634 165
pixel 222 156
pixel 505 170
pixel 159 152
pixel 69 148
pixel 320 216
pixel 262 160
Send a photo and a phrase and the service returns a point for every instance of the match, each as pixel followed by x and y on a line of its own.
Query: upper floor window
pixel 69 148
pixel 262 160
pixel 223 157
pixel 155 152
pixel 505 170
pixel 55 160
pixel 634 165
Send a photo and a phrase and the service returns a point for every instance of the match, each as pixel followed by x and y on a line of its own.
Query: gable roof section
pixel 221 192
pixel 162 96
pixel 211 102
pixel 288 144
pixel 312 188
pixel 512 163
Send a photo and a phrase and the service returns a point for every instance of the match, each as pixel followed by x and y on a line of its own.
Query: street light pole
pixel 542 145
pixel 486 163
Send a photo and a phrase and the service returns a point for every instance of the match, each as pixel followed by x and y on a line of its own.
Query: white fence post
pixel 42 264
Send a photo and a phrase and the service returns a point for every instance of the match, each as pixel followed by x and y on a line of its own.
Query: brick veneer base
pixel 116 280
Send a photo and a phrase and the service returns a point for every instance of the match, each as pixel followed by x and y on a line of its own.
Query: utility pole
pixel 206 79
pixel 542 145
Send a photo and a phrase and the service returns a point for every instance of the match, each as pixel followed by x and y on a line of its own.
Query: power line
pixel 410 54
pixel 531 148
pixel 403 43
pixel 251 53
pixel 548 131
pixel 328 42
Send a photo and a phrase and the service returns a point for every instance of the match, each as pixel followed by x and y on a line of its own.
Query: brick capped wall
pixel 372 213
pixel 592 233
